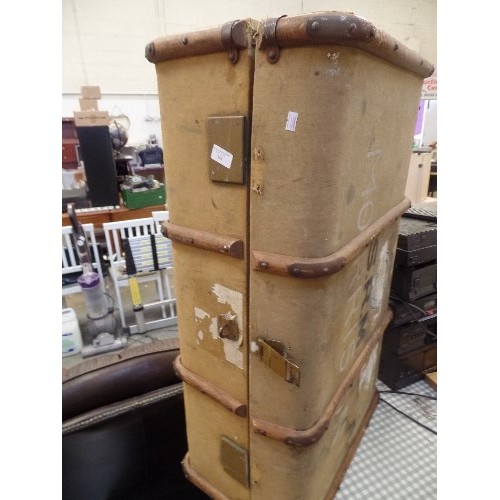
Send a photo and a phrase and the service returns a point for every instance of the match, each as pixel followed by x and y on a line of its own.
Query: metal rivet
pixel 315 26
pixel 272 55
pixel 184 40
pixel 352 28
pixel 325 269
pixel 264 265
pixel 296 270
pixel 151 49
pixel 225 248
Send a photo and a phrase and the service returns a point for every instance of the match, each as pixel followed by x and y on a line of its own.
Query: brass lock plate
pixel 228 148
pixel 273 354
pixel 234 459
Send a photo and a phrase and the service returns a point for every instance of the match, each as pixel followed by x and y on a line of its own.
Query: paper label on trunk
pixel 221 156
pixel 291 121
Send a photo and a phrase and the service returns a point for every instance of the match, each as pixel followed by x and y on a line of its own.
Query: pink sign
pixel 430 88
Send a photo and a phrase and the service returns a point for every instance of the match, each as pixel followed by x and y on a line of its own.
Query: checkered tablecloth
pixel 396 459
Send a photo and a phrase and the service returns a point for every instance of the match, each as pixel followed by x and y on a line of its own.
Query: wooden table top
pixel 99 217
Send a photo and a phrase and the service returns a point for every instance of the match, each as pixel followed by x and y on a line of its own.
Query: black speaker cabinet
pixel 97 155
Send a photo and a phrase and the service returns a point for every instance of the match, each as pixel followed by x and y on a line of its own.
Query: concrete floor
pixel 76 302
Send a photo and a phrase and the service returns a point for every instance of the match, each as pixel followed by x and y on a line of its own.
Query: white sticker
pixel 220 155
pixel 291 121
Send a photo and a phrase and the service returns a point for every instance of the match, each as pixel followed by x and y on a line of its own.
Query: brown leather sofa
pixel 123 427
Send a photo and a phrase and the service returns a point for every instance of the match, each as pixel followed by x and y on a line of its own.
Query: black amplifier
pixel 398 371
pixel 417 242
pixel 405 338
pixel 424 211
pixel 410 283
pixel 405 312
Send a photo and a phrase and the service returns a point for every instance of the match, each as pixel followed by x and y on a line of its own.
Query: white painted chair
pixel 70 261
pixel 160 216
pixel 115 233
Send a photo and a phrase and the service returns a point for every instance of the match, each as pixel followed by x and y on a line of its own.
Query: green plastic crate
pixel 146 198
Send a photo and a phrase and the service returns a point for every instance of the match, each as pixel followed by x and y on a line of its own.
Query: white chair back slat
pixel 159 216
pixel 122 232
pixel 117 252
pixel 96 262
pixel 65 255
pixel 68 250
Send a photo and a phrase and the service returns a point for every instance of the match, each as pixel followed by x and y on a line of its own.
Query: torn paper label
pixel 221 156
pixel 291 121
pixel 368 372
pixel 233 298
pixel 200 313
pixel 380 277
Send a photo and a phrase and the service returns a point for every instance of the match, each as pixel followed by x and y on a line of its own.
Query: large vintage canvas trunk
pixel 287 144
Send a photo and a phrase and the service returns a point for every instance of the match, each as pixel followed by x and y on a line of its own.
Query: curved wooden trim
pixel 200 384
pixel 204 240
pixel 352 448
pixel 317 267
pixel 200 482
pixel 200 42
pixel 307 437
pixel 344 28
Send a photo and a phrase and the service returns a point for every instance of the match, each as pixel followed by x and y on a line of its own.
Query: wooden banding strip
pixel 307 437
pixel 342 28
pixel 204 240
pixel 200 481
pixel 196 43
pixel 317 267
pixel 201 385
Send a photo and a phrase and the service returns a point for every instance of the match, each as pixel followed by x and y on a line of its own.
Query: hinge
pixel 269 40
pixel 234 37
pixel 273 354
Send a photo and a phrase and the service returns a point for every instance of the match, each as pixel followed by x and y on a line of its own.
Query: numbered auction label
pixel 291 121
pixel 221 156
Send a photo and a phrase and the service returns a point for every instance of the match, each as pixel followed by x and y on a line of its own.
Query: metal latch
pixel 273 354
pixel 227 327
pixel 234 460
pixel 269 39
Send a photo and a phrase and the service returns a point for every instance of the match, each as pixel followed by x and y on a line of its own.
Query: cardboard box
pixel 432 379
pixel 417 184
pixel 91 118
pixel 91 92
pixel 88 104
